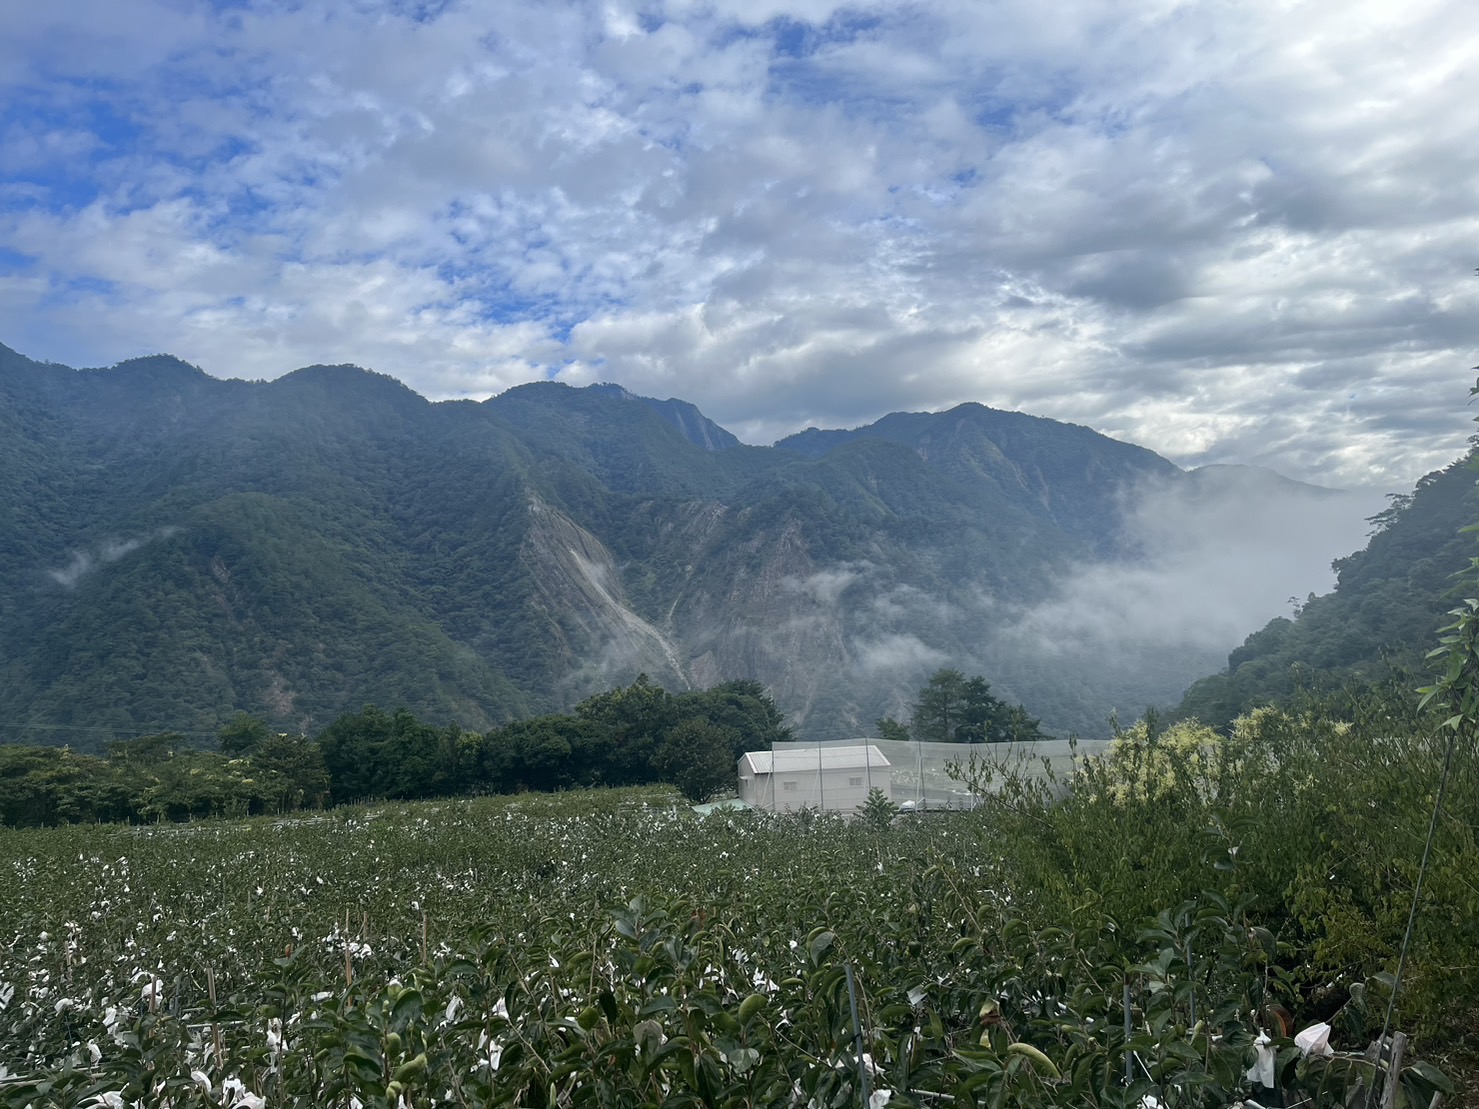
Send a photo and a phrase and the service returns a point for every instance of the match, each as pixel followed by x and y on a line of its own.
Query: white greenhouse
pixel 922 777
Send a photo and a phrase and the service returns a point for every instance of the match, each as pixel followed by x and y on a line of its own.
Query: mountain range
pixel 176 547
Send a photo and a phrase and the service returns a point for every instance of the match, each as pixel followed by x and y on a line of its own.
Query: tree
pixel 940 708
pixel 633 720
pixel 241 735
pixel 743 706
pixel 891 730
pixel 878 811
pixel 292 771
pixel 698 758
pixel 982 715
pixel 952 708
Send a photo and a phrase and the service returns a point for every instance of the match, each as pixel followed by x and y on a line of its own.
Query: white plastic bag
pixel 1261 1073
pixel 1315 1041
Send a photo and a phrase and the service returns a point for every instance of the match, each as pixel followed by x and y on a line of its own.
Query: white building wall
pixel 836 790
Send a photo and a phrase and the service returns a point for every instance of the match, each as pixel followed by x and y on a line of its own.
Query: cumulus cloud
pixel 1228 232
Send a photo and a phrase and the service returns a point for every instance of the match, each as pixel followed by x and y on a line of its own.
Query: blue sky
pixel 1230 232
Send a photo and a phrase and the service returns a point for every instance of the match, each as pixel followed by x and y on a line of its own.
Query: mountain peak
pixel 692 424
pixel 697 428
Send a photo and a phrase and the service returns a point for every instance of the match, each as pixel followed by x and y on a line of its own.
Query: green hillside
pixel 175 548
pixel 1388 601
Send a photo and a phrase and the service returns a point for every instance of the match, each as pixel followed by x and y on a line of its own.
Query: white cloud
pixel 1229 232
pixel 108 551
pixel 896 653
pixel 1211 559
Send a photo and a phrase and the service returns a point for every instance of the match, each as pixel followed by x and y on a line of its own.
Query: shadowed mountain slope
pixel 175 548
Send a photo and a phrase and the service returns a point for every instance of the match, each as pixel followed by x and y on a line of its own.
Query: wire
pixel 104 729
pixel 1422 871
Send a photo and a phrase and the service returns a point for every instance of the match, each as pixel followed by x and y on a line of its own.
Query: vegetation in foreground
pixel 612 948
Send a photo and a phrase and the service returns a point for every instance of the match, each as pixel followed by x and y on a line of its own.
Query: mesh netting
pixel 839 775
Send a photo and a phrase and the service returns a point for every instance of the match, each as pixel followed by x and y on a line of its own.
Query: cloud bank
pixel 1228 232
pixel 1207 563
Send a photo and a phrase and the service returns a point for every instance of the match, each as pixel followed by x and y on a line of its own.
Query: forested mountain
pixel 175 548
pixel 1388 602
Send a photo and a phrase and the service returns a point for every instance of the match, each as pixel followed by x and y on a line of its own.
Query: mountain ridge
pixel 179 547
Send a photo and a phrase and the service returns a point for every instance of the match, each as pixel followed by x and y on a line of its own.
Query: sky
pixel 1229 231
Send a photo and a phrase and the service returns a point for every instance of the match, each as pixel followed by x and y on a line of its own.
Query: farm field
pixel 614 948
pixel 455 953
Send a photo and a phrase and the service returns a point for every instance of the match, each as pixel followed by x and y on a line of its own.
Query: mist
pixel 83 563
pixel 1202 561
pixel 1206 560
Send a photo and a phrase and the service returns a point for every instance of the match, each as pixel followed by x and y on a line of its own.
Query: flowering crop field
pixel 606 948
pixel 492 951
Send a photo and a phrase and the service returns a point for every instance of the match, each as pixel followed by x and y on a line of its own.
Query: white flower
pixel 203 1079
pixel 94 1052
pixel 879 1098
pixel 452 1006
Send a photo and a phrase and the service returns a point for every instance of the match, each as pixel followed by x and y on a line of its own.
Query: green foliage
pixel 1147 763
pixel 878 811
pixel 952 708
pixel 607 948
pixel 175 549
pixel 891 730
pixel 636 735
pixel 698 758
pixel 242 734
pixel 1388 600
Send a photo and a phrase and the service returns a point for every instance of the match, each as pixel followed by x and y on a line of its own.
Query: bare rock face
pixel 580 593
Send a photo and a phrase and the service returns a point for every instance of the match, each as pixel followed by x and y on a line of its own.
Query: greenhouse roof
pixel 800 759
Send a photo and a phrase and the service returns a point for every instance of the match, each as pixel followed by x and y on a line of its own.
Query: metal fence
pixel 839 774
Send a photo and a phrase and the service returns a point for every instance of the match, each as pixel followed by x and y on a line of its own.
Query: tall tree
pixel 940 708
pixel 242 734
pixel 293 772
pixel 891 730
pixel 952 708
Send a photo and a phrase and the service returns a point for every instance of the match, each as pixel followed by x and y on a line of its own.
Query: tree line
pixel 637 735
